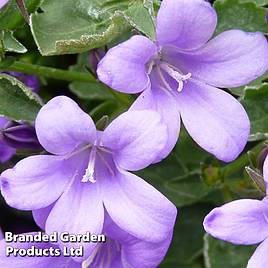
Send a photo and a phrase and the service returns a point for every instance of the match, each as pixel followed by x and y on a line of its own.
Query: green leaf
pixel 257 2
pixel 220 254
pixel 89 91
pixel 256 104
pixel 10 15
pixel 179 176
pixel 17 101
pixel 245 16
pixel 67 27
pixel 240 91
pixel 140 18
pixel 11 44
pixel 257 178
pixel 187 243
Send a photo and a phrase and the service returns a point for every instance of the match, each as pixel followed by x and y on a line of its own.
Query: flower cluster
pixel 85 182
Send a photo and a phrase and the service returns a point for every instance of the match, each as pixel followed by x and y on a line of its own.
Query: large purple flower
pixel 87 177
pixel 243 222
pixel 180 75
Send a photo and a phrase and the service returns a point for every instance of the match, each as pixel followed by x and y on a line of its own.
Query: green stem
pixel 19 66
pixel 67 75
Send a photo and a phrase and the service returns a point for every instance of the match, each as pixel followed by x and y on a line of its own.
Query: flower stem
pixel 66 75
pixel 24 67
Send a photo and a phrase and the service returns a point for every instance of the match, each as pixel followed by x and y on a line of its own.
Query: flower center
pixel 175 74
pixel 89 175
pixel 102 153
pixel 163 68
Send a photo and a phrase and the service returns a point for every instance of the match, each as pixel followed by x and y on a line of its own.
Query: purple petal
pixel 61 126
pixel 6 152
pixel 3 122
pixel 232 59
pixel 240 222
pixel 186 24
pixel 260 258
pixel 40 215
pixel 2 3
pixel 136 138
pixel 265 169
pixel 35 182
pixel 124 66
pixel 214 119
pixel 135 252
pixel 77 211
pixel 138 208
pixel 33 262
pixel 166 106
pixel 144 254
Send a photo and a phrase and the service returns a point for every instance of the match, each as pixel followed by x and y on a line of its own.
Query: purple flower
pixel 33 262
pixel 16 135
pixel 6 151
pixel 243 222
pixel 180 75
pixel 87 176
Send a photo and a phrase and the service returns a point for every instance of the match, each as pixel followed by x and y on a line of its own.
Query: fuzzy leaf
pixel 255 102
pixel 233 14
pixel 17 101
pixel 10 15
pixel 11 44
pixel 220 254
pixel 67 27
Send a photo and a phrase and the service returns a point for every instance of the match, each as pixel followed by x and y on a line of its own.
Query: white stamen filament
pixel 174 73
pixel 91 258
pixel 90 171
pixel 166 84
pixel 151 65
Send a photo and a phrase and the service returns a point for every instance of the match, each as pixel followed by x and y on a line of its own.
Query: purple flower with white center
pixel 87 175
pixel 180 75
pixel 243 222
pixel 33 262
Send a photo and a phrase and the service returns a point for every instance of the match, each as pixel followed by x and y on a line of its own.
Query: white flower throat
pixel 164 67
pixel 90 171
pixel 96 151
